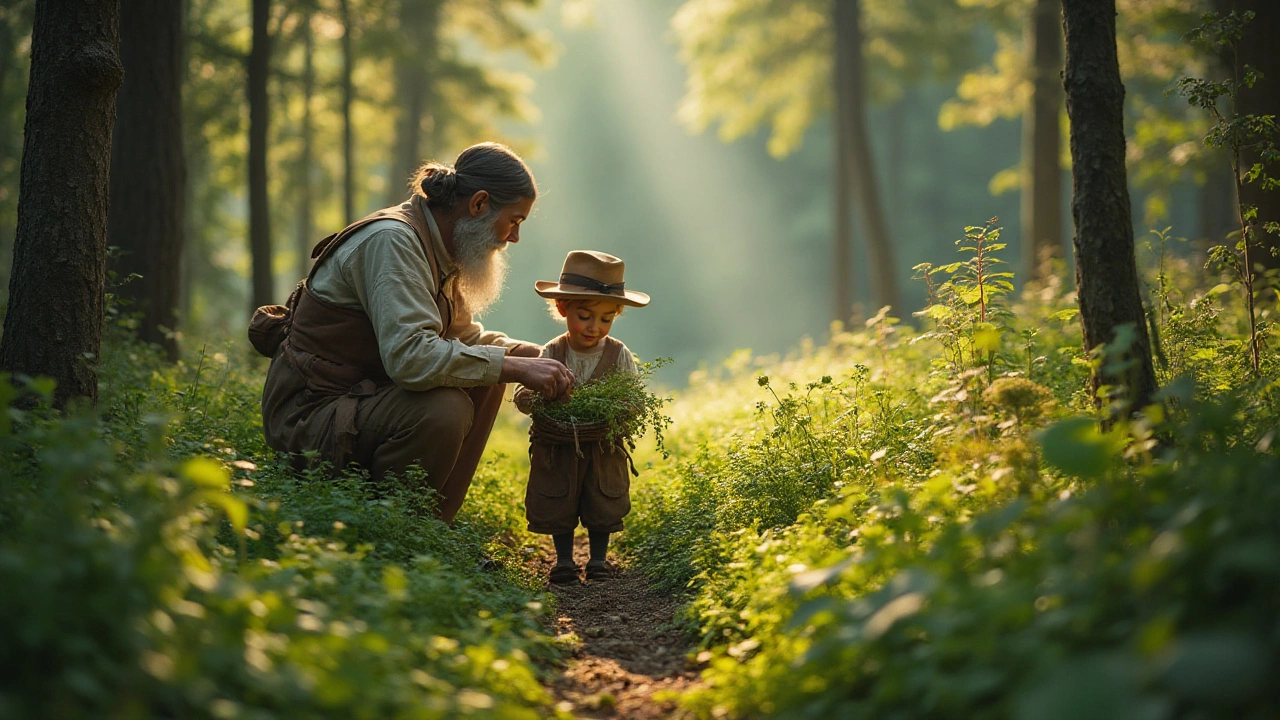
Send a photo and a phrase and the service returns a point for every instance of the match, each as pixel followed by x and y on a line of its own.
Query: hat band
pixel 592 284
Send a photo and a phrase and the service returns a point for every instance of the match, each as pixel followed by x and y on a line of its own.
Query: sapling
pixel 1237 133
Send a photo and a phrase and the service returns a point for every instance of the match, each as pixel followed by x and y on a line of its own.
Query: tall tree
pixel 1257 49
pixel 258 67
pixel 1106 271
pixel 305 229
pixel 54 324
pixel 445 97
pixel 854 151
pixel 148 169
pixel 415 64
pixel 1041 137
pixel 1164 147
pixel 348 98
pixel 791 60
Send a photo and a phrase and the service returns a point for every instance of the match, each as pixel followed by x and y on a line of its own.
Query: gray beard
pixel 482 262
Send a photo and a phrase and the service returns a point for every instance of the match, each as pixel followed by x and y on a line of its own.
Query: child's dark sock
pixel 564 547
pixel 599 541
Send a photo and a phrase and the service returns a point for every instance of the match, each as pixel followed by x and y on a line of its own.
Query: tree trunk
pixel 1106 271
pixel 148 168
pixel 306 227
pixel 54 324
pixel 1041 141
pixel 1258 49
pixel 348 97
pixel 843 256
pixel 259 211
pixel 419 23
pixel 851 124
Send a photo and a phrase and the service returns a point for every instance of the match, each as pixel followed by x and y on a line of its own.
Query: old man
pixel 383 363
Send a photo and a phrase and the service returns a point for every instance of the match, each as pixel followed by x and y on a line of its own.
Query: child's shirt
pixel 583 364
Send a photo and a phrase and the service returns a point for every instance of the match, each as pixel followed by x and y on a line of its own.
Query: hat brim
pixel 556 291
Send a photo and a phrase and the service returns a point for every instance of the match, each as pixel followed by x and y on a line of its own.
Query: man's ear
pixel 479 203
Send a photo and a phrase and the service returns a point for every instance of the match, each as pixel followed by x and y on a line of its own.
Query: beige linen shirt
pixel 383 270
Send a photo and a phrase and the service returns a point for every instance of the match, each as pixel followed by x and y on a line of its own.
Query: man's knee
pixel 444 415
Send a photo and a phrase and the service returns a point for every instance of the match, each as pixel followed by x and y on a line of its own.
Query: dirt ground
pixel 629 655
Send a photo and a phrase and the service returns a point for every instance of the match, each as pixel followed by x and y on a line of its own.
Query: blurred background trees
pixel 864 136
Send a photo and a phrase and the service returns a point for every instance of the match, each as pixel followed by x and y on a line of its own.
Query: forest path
pixel 629 650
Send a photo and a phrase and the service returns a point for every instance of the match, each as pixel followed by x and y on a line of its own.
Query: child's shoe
pixel 602 570
pixel 564 575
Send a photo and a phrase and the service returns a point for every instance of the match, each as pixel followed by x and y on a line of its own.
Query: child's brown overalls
pixel 565 487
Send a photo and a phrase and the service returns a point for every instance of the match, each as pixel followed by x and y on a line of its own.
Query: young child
pixel 586 480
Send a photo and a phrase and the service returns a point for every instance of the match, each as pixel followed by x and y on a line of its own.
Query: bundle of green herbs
pixel 619 404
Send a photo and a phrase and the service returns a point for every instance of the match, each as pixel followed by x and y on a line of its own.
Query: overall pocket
pixel 613 472
pixel 550 468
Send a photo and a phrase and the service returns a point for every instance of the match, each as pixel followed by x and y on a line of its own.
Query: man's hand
pixel 524 349
pixel 543 375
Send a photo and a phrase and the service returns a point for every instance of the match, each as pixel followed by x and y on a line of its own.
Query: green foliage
pixel 923 533
pixel 1241 136
pixel 965 306
pixel 172 566
pixel 619 402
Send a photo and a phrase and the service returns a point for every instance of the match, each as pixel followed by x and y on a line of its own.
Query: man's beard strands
pixel 482 264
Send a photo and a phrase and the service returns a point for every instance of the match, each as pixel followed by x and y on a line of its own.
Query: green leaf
pixel 987 340
pixel 936 312
pixel 206 473
pixel 810 579
pixel 1077 447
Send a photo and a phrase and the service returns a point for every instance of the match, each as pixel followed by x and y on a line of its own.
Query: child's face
pixel 588 322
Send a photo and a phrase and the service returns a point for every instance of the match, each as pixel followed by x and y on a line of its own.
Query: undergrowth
pixel 930 523
pixel 903 522
pixel 169 565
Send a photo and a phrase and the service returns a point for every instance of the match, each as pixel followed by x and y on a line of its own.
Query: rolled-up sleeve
pixel 391 277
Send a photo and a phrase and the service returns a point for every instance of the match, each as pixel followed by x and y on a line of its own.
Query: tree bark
pixel 1258 49
pixel 148 167
pixel 54 324
pixel 1041 141
pixel 259 210
pixel 852 126
pixel 1106 271
pixel 348 97
pixel 306 227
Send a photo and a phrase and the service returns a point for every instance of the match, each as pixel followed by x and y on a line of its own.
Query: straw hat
pixel 591 275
